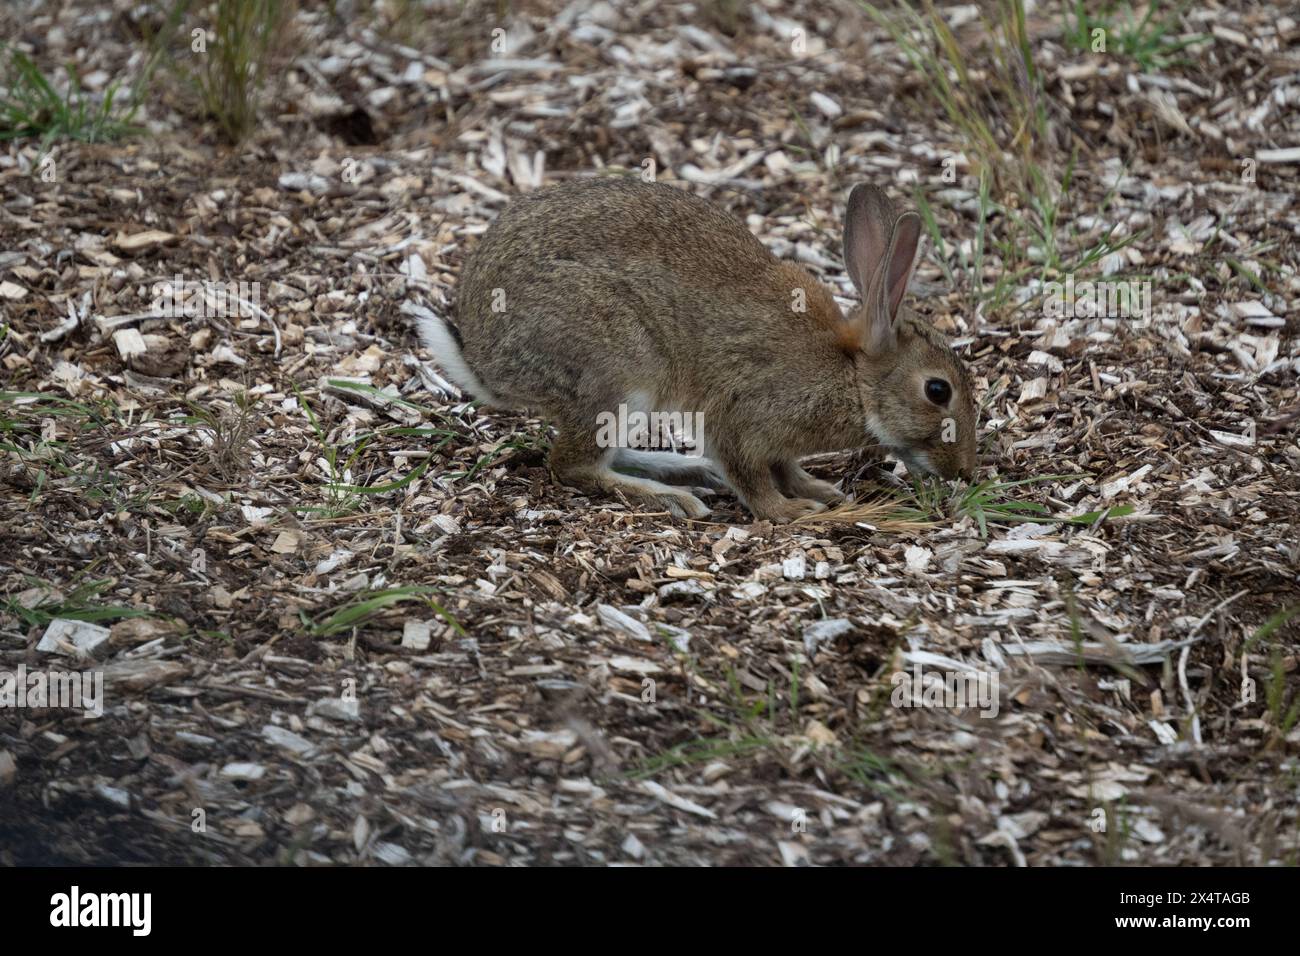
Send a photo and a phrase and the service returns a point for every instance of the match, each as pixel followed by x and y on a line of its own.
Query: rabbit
pixel 605 292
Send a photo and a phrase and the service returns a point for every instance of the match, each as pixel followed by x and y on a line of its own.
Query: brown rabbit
pixel 597 294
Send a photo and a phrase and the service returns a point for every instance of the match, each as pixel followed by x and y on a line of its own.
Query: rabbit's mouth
pixel 918 462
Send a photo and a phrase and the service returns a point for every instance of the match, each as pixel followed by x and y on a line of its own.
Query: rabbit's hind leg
pixel 690 470
pixel 797 483
pixel 577 459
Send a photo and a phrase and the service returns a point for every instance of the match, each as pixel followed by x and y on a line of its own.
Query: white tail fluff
pixel 436 336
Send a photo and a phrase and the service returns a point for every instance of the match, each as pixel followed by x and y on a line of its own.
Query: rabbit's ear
pixel 878 239
pixel 896 269
pixel 867 224
pixel 880 304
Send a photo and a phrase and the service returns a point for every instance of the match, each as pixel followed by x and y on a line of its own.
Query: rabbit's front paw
pixel 822 491
pixel 788 509
pixel 797 483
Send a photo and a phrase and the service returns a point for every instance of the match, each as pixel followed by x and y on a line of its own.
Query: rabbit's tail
pixel 442 340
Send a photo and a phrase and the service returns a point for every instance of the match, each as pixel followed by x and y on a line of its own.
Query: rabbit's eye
pixel 938 391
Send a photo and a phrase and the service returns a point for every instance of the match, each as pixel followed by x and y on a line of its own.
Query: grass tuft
pixel 993 96
pixel 77 605
pixel 341 495
pixel 231 430
pixel 233 56
pixel 31 107
pixel 882 513
pixel 365 606
pixel 1153 43
pixel 931 501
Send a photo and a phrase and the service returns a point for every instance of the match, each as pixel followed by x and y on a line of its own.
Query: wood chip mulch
pixel 594 684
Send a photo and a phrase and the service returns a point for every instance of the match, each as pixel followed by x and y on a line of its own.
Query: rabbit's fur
pixel 597 293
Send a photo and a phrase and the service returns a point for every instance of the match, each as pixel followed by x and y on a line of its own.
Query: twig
pixel 1182 664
